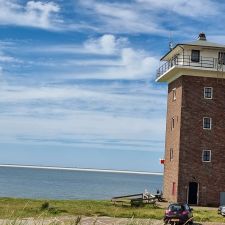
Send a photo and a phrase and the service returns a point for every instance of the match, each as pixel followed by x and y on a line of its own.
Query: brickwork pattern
pixel 172 140
pixel 189 139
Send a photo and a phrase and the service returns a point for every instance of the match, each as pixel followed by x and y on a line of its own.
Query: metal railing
pixel 186 60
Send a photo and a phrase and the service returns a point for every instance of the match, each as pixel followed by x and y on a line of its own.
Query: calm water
pixel 64 184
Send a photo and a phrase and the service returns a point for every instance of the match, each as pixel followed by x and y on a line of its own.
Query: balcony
pixel 185 61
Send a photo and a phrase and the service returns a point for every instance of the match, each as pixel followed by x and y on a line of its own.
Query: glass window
pixel 171 154
pixel 207 123
pixel 172 123
pixel 206 156
pixel 173 188
pixel 221 58
pixel 208 92
pixel 176 207
pixel 174 94
pixel 195 55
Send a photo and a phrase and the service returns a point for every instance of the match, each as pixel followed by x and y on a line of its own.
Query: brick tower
pixel 194 167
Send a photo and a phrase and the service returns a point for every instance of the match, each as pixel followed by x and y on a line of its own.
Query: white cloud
pixel 122 11
pixel 89 126
pixel 106 57
pixel 191 8
pixel 7 59
pixel 138 62
pixel 34 13
pixel 2 80
pixel 85 112
pixel 138 16
pixel 130 64
pixel 40 12
pixel 82 122
pixel 65 112
pixel 120 17
pixel 151 16
pixel 95 97
pixel 106 44
pixel 4 58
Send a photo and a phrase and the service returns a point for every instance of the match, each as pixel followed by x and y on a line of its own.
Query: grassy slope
pixel 14 208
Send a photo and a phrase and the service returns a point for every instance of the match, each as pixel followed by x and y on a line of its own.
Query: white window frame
pixel 210 158
pixel 174 94
pixel 205 128
pixel 211 93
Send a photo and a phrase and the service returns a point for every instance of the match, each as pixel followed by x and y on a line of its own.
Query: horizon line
pixel 80 169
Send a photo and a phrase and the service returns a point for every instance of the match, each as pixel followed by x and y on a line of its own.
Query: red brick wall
pixel 172 140
pixel 194 139
pixel 189 139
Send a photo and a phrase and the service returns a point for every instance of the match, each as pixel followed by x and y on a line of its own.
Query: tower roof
pixel 204 44
pixel 201 42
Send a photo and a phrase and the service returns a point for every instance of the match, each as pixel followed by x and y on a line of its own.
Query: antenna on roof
pixel 194 37
pixel 170 41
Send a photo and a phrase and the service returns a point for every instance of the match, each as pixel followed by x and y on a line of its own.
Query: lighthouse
pixel 194 166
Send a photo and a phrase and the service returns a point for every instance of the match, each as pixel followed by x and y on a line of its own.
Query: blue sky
pixel 77 78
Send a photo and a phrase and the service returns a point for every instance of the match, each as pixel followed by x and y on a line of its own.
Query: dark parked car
pixel 178 214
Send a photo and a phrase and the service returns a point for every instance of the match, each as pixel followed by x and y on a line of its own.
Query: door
pixel 193 193
pixel 222 198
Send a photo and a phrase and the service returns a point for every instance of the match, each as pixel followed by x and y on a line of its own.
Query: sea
pixel 44 183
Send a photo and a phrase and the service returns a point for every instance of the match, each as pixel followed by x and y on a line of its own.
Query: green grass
pixel 203 215
pixel 11 208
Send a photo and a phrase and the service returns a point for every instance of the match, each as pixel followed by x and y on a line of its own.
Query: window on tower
pixel 221 58
pixel 173 188
pixel 208 92
pixel 195 55
pixel 172 123
pixel 174 94
pixel 171 154
pixel 207 123
pixel 206 156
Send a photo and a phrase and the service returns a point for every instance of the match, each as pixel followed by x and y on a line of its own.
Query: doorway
pixel 193 193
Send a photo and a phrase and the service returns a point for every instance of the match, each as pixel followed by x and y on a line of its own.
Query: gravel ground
pixel 93 221
pixel 124 221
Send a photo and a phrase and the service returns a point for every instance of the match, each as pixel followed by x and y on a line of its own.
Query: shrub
pixel 45 206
